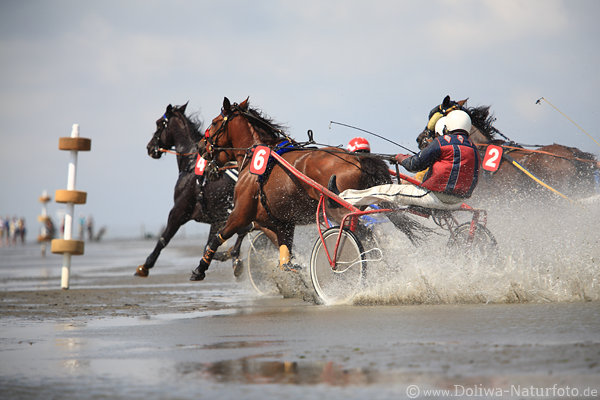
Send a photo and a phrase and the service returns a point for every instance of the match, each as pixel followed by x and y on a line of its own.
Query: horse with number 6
pixel 266 192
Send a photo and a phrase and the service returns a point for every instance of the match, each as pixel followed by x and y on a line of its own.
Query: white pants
pixel 405 194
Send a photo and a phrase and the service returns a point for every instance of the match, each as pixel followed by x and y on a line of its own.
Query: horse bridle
pixel 211 150
pixel 210 140
pixel 156 140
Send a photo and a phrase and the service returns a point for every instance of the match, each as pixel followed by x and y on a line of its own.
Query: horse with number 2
pixel 283 183
pixel 513 172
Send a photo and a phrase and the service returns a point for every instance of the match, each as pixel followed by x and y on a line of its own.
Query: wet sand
pixel 115 336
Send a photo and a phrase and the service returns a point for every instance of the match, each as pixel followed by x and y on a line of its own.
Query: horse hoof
pixel 142 272
pixel 238 268
pixel 197 276
pixel 289 267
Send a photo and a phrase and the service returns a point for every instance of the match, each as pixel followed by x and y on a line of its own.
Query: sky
pixel 113 66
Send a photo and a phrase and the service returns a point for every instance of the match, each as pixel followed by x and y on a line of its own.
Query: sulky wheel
pixel 262 264
pixel 341 283
pixel 481 244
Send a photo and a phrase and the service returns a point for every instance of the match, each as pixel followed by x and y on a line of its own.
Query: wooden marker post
pixel 67 246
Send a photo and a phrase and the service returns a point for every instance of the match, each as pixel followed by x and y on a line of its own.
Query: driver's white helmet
pixel 440 125
pixel 458 120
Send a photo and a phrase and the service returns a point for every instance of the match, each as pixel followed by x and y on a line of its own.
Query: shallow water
pixel 429 325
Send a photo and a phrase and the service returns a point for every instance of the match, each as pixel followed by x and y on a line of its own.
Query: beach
pixel 113 335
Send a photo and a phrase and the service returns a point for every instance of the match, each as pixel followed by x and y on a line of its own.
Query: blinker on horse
pixel 276 200
pixel 206 202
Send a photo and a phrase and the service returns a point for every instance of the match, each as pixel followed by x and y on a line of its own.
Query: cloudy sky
pixel 113 67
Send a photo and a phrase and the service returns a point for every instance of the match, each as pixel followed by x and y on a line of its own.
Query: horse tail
pixel 582 154
pixel 374 171
pixel 586 171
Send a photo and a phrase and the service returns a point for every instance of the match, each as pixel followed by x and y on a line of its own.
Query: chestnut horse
pixel 208 202
pixel 568 170
pixel 277 200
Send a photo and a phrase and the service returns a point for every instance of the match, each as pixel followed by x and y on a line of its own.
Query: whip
pixel 371 133
pixel 565 115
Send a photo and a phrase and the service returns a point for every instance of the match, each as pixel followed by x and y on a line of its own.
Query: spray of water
pixel 546 253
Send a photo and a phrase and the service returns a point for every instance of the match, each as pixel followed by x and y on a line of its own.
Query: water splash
pixel 547 253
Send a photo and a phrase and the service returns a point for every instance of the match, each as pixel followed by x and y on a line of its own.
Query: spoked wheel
pixel 342 282
pixel 481 244
pixel 263 263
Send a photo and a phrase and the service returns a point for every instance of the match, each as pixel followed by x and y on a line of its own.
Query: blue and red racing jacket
pixel 453 164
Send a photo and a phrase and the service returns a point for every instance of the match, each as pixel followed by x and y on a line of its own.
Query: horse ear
pixel 462 102
pixel 446 102
pixel 183 107
pixel 169 110
pixel 226 105
pixel 244 104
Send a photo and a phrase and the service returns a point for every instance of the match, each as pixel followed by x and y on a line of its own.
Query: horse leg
pixel 285 239
pixel 231 252
pixel 238 266
pixel 237 221
pixel 177 217
pixel 219 255
pixel 234 251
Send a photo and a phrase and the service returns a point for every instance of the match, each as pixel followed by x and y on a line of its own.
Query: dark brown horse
pixel 277 200
pixel 563 171
pixel 194 199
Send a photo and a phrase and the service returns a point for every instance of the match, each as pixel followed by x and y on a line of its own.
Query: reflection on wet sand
pixel 250 370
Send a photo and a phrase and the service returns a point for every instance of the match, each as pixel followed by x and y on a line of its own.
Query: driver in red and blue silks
pixel 453 164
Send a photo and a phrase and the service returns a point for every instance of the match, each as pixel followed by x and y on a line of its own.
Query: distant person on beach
pixel 21 229
pixel 90 227
pixel 3 231
pixel 81 227
pixel 12 231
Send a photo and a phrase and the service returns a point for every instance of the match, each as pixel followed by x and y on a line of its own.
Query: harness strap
pixel 541 152
pixel 233 174
pixel 532 176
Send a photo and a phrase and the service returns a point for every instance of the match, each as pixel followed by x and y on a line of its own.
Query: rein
pixel 541 152
pixel 176 153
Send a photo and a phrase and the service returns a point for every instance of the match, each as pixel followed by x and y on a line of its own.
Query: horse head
pixel 482 131
pixel 165 137
pixel 428 134
pixel 234 131
pixel 425 137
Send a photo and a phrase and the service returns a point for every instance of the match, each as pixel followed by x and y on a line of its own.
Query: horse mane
pixel 581 154
pixel 268 130
pixel 482 119
pixel 196 124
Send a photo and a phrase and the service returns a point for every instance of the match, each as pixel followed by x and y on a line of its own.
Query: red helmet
pixel 359 144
